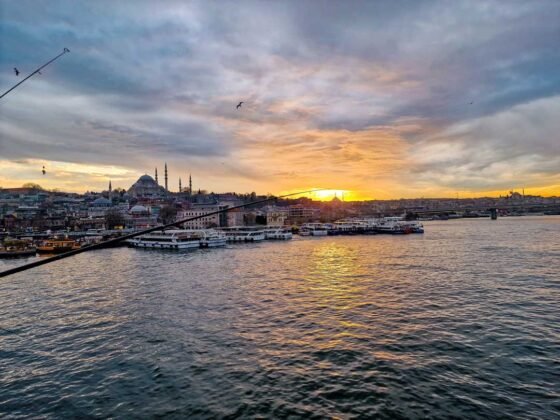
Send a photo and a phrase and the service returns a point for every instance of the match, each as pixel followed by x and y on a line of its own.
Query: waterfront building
pixel 216 220
pixel 275 216
pixel 299 213
pixel 235 217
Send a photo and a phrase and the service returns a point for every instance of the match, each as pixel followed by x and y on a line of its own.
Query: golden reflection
pixel 336 269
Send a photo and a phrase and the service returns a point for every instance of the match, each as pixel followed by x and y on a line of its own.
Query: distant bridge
pixel 529 208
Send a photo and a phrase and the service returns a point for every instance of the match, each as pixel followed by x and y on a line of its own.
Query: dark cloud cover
pixel 147 82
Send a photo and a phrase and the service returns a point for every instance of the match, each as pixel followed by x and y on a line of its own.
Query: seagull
pixel 239 105
pixel 44 171
pixel 16 71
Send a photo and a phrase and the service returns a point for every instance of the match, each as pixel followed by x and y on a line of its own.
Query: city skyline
pixel 380 100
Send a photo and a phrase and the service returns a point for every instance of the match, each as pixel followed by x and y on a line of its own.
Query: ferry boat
pixel 414 226
pixel 243 234
pixel 169 239
pixel 16 248
pixel 277 233
pixel 313 229
pixel 392 225
pixel 396 225
pixel 57 246
pixel 212 238
pixel 353 227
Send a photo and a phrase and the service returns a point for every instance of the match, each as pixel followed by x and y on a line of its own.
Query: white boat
pixel 397 225
pixel 390 225
pixel 212 238
pixel 313 229
pixel 169 239
pixel 352 227
pixel 277 233
pixel 243 234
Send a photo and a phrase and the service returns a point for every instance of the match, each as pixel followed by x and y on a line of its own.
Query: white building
pixel 213 220
pixel 275 216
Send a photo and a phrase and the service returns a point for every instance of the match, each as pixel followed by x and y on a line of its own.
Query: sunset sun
pixel 327 195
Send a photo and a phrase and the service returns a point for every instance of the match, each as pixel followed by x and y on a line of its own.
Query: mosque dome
pixel 138 209
pixel 101 202
pixel 146 187
pixel 146 179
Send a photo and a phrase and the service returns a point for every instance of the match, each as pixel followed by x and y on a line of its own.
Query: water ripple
pixel 459 322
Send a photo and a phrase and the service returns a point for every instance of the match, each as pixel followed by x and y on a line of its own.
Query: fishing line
pixel 64 51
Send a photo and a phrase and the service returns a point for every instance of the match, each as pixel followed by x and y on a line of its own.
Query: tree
pixel 113 218
pixel 119 191
pixel 167 214
pixel 32 185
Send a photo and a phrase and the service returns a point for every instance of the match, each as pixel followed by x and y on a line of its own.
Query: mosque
pixel 148 187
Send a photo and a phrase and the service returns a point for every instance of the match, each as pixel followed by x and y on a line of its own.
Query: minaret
pixel 110 189
pixel 156 177
pixel 165 174
pixel 180 188
pixel 190 184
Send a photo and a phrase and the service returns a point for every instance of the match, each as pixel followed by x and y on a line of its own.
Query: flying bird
pixel 239 105
pixel 44 170
pixel 16 71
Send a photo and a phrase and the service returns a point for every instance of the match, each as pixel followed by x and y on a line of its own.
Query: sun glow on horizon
pixel 326 194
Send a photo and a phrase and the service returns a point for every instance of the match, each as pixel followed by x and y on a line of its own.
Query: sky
pixel 379 99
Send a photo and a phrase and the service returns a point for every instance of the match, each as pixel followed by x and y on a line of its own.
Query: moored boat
pixel 397 225
pixel 277 233
pixel 169 239
pixel 313 229
pixel 393 226
pixel 177 239
pixel 211 239
pixel 13 248
pixel 414 226
pixel 243 234
pixel 57 246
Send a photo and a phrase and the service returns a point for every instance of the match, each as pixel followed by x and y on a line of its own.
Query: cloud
pixel 515 147
pixel 378 91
